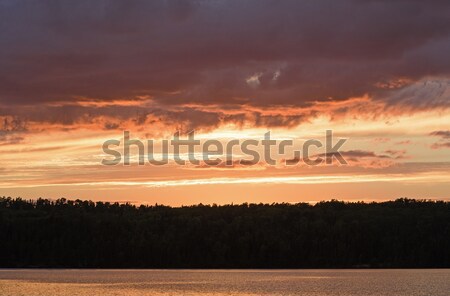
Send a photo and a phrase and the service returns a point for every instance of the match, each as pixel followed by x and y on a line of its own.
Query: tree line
pixel 403 233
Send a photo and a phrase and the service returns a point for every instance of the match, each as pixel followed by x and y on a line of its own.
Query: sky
pixel 74 74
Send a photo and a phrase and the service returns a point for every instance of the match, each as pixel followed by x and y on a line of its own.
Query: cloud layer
pixel 259 52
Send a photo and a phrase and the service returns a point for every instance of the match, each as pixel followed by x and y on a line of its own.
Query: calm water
pixel 219 282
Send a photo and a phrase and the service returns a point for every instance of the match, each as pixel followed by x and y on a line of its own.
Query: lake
pixel 30 282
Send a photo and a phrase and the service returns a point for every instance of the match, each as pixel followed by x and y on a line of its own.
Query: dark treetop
pixel 65 233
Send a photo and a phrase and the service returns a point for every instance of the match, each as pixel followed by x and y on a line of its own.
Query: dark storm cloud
pixel 260 52
pixel 354 155
pixel 12 130
pixel 443 134
pixel 444 141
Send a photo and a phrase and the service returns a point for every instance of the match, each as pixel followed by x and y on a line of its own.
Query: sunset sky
pixel 74 74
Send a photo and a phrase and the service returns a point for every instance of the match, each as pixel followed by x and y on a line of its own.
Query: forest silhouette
pixel 64 233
